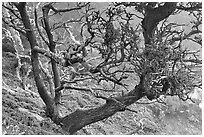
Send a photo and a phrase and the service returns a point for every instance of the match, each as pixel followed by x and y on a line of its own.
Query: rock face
pixel 9 62
pixel 38 117
pixel 9 59
pixel 8 45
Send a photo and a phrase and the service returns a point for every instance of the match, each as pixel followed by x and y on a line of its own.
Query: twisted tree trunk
pixel 153 16
pixel 80 118
pixel 50 104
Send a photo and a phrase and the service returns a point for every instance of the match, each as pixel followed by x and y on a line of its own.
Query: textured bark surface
pixel 153 16
pixel 51 108
pixel 51 46
pixel 34 56
pixel 80 118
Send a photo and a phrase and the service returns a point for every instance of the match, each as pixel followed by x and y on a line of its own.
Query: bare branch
pixel 66 10
pixel 12 11
pixel 20 30
pixel 50 54
pixel 36 24
pixel 197 6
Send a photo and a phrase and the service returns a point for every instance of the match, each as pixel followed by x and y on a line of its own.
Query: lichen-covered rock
pixel 9 62
pixel 8 45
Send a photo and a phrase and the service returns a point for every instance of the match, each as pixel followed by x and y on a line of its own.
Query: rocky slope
pixel 23 111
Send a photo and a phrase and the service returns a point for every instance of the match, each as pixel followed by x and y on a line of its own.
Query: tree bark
pixel 52 45
pixel 35 62
pixel 80 118
pixel 153 16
